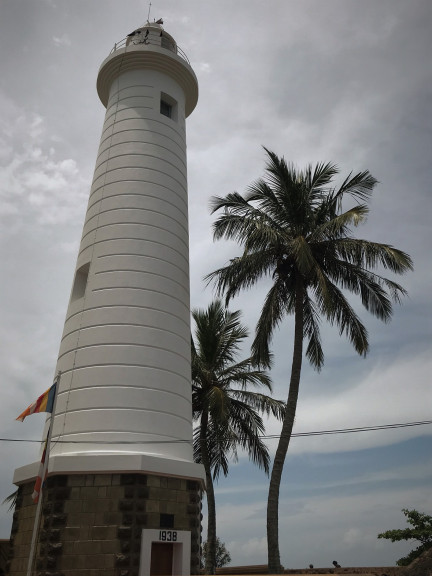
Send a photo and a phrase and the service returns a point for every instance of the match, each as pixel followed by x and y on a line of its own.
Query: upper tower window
pixel 165 109
pixel 168 106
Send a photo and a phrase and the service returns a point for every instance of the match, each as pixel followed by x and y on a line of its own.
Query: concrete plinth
pixel 92 524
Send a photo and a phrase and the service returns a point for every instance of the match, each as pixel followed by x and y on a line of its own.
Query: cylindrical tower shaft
pixel 125 352
pixel 122 490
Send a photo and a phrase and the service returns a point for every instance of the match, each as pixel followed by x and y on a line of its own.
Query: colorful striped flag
pixel 44 403
pixel 40 477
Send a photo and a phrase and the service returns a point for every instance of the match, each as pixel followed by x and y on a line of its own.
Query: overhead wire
pixel 263 437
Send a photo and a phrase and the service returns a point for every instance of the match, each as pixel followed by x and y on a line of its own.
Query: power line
pixel 264 437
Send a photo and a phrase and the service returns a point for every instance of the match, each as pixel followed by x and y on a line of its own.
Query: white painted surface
pixel 106 463
pixel 125 352
pixel 181 550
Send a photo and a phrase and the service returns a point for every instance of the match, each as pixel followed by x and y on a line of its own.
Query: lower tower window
pixel 80 282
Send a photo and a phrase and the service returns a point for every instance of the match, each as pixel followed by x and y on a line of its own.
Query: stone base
pixel 91 524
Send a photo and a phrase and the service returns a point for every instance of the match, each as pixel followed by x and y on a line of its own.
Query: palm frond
pixel 231 415
pixel 314 351
pixel 275 305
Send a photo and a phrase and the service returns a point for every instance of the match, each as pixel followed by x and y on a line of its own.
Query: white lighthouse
pixel 121 461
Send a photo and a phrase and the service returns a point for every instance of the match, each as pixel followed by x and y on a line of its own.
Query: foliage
pixel 293 231
pixel 421 530
pixel 227 413
pixel 223 557
pixel 11 500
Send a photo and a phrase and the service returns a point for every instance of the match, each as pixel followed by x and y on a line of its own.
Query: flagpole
pixel 44 471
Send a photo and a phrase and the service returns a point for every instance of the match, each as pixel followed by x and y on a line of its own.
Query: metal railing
pixel 162 42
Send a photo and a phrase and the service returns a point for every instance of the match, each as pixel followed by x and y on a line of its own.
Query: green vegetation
pixel 421 530
pixel 223 557
pixel 293 231
pixel 228 414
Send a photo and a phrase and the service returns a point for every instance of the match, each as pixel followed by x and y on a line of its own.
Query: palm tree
pixel 292 229
pixel 228 413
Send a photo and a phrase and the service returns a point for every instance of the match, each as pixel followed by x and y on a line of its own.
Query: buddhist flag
pixel 44 403
pixel 41 476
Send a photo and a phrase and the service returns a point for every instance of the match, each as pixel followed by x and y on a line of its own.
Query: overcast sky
pixel 347 81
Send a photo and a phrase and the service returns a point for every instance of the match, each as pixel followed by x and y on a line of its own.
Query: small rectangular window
pixel 168 106
pixel 80 282
pixel 167 520
pixel 165 109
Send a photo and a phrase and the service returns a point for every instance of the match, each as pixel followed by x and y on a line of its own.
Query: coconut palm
pixel 228 414
pixel 294 231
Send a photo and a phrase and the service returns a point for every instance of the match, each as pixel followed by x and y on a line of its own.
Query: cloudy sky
pixel 347 81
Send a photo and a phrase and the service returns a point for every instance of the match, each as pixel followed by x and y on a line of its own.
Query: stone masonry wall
pixel 91 524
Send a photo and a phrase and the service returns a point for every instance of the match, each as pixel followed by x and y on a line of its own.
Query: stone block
pixel 128 519
pixel 73 506
pixel 102 480
pixel 110 546
pixel 90 561
pixel 153 520
pixel 141 520
pixel 182 496
pixel 89 506
pixel 129 491
pixel 75 493
pixel 71 533
pixel 81 519
pixel 69 562
pixel 152 506
pixel 193 509
pixel 142 492
pixel 194 498
pixel 181 524
pixel 106 505
pixel 88 493
pixel 127 479
pixel 174 483
pixel 170 507
pixel 158 494
pixel 153 481
pixel 102 492
pixel 111 518
pixel 116 492
pixel 109 560
pixel 103 532
pixel 126 505
pixel 89 547
pixel 76 480
pixel 61 493
pixel 164 482
pixel 68 547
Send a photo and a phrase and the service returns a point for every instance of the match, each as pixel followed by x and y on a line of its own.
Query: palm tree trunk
pixel 274 566
pixel 210 561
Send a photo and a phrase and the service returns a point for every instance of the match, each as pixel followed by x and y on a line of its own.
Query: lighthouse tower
pixel 123 493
